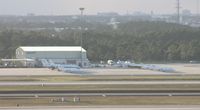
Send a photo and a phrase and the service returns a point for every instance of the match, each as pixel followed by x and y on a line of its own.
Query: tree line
pixel 138 41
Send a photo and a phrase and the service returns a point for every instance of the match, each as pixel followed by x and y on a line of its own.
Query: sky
pixel 70 7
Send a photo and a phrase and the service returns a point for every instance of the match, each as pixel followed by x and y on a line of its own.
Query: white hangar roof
pixel 52 48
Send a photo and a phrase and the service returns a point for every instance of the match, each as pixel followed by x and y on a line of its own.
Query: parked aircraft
pixel 61 67
pixel 69 68
pixel 128 64
pixel 158 68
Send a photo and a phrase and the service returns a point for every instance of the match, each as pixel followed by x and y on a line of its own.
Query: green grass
pixel 105 87
pixel 89 101
pixel 96 78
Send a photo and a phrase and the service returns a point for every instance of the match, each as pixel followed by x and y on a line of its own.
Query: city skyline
pixel 68 7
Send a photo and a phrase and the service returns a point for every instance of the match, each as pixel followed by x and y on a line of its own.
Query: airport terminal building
pixel 57 54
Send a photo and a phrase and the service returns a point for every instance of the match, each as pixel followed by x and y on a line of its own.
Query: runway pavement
pixel 96 83
pixel 59 94
pixel 100 94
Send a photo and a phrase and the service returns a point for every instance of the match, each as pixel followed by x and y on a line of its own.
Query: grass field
pixel 98 78
pixel 104 87
pixel 89 101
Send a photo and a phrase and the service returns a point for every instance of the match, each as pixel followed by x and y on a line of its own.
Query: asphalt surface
pixel 96 83
pixel 100 93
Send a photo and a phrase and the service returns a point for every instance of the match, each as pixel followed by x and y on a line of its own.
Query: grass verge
pixel 89 101
pixel 104 87
pixel 97 78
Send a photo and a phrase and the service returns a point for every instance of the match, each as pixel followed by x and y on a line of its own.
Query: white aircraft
pixel 145 66
pixel 45 63
pixel 61 67
pixel 69 68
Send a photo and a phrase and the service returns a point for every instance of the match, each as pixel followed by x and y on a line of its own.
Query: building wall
pixel 63 57
pixel 55 55
pixel 70 61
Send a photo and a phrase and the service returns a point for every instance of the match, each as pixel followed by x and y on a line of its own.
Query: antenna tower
pixel 178 7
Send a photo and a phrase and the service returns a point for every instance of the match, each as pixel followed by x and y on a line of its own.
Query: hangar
pixel 57 54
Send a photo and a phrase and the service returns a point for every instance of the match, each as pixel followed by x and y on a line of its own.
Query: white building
pixel 57 54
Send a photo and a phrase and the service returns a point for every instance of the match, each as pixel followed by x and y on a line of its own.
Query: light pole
pixel 197 8
pixel 81 35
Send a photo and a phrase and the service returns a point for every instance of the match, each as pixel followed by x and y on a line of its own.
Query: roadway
pixel 96 83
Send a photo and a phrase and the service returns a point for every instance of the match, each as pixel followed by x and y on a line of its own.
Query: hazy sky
pixel 63 7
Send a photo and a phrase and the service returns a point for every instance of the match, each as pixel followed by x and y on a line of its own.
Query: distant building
pixel 30 14
pixel 57 54
pixel 113 23
pixel 108 14
pixel 186 12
